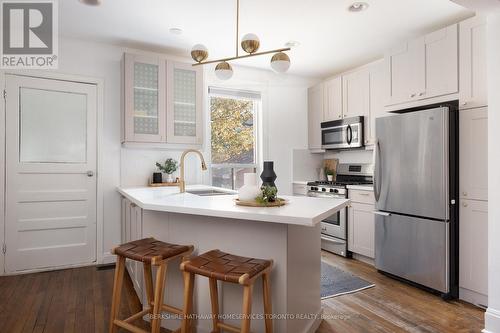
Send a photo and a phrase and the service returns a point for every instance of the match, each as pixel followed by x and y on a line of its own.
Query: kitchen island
pixel 208 219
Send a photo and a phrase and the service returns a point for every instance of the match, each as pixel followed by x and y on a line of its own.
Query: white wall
pixel 284 123
pixel 492 316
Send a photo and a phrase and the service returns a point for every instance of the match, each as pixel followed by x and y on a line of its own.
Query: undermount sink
pixel 209 192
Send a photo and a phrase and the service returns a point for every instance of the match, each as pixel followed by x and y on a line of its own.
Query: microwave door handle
pixel 349 134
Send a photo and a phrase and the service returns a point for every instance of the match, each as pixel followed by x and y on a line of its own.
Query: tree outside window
pixel 233 138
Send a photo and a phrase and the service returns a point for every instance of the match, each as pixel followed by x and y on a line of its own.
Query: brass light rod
pixel 242 56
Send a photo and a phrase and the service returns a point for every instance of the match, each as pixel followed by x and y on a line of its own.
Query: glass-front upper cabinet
pixel 163 101
pixel 184 103
pixel 145 99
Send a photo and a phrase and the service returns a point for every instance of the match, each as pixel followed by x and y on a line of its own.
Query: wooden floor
pixel 78 300
pixel 392 306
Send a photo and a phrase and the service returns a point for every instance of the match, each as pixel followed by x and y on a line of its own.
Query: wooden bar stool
pixel 217 265
pixel 150 252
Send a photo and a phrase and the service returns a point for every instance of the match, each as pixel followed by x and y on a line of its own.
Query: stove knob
pixel 314 188
pixel 332 190
pixel 335 191
pixel 323 189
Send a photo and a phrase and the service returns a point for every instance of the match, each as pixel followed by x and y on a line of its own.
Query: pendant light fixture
pixel 250 43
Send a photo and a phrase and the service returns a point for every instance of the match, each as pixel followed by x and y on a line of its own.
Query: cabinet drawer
pixel 362 196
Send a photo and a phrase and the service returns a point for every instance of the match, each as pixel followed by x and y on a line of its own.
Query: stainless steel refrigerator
pixel 415 185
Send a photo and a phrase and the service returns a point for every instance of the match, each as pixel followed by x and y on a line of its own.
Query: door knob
pixel 90 173
pixel 464 194
pixel 465 204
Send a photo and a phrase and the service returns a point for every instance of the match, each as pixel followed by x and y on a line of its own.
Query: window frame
pixel 257 110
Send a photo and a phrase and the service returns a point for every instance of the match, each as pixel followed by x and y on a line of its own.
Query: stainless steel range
pixel 334 228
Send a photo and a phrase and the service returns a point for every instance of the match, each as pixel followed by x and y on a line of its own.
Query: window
pixel 234 141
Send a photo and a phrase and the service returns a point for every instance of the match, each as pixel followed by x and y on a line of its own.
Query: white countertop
pixel 360 187
pixel 304 211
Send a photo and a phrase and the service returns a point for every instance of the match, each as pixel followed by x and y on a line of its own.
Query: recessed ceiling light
pixel 175 31
pixel 358 7
pixel 91 2
pixel 292 43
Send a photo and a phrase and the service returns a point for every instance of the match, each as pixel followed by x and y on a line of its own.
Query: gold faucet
pixel 182 182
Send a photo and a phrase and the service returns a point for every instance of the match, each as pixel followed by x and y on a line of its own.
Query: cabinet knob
pixel 464 194
pixel 90 173
pixel 464 103
pixel 464 204
pixel 412 95
pixel 340 116
pixel 421 93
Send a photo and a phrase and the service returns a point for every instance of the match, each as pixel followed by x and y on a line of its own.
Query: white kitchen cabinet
pixel 474 251
pixel 356 93
pixel 405 68
pixel 315 103
pixel 361 223
pixel 424 68
pixel 184 103
pixel 163 101
pixel 132 230
pixel 333 99
pixel 473 77
pixel 144 95
pixel 441 63
pixel 474 154
pixel 378 92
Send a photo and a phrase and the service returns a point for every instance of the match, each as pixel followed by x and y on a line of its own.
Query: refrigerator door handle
pixel 381 213
pixel 376 176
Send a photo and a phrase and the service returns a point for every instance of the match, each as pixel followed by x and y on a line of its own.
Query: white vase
pixel 250 190
pixel 168 179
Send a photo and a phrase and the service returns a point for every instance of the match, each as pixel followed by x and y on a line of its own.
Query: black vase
pixel 157 178
pixel 268 176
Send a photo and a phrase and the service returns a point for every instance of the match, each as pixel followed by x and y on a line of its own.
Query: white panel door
pixel 50 173
pixel 356 91
pixel 474 154
pixel 361 229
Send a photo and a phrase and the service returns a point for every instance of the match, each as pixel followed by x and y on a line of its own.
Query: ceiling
pixel 331 38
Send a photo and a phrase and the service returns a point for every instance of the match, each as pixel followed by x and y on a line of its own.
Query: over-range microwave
pixel 342 134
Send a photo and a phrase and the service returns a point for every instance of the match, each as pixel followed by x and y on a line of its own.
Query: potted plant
pixel 329 175
pixel 168 167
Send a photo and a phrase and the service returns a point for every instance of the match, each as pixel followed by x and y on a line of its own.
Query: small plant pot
pixel 330 178
pixel 168 178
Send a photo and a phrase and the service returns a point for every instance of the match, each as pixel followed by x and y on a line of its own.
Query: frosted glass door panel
pixel 184 102
pixel 145 98
pixel 53 126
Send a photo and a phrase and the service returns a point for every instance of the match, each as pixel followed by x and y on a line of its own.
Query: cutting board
pixel 331 164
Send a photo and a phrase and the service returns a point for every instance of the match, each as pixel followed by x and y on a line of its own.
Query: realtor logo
pixel 29 34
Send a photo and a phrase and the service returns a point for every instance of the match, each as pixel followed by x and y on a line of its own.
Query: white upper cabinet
pixel 356 93
pixel 333 99
pixel 378 92
pixel 474 154
pixel 315 116
pixel 473 77
pixel 424 68
pixel 145 112
pixel 441 63
pixel 162 101
pixel 184 116
pixel 404 65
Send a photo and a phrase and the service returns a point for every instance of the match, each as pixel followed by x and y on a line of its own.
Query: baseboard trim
pixel 108 258
pixel 313 327
pixel 492 321
pixel 473 297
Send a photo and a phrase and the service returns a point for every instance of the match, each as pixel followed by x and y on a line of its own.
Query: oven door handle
pixel 333 240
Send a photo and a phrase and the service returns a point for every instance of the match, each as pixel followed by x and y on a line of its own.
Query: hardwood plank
pixel 393 306
pixel 78 300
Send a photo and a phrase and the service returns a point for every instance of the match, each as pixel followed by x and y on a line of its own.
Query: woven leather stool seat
pixel 148 248
pixel 226 267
